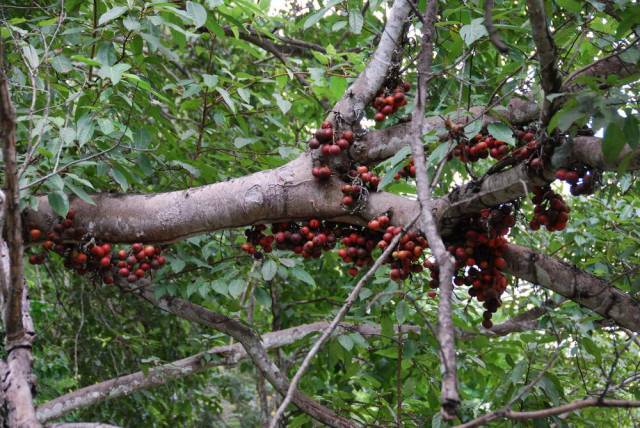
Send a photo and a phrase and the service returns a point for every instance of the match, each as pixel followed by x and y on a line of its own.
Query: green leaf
pixel 61 64
pixel 31 55
pixel 564 118
pixel 195 172
pixel 79 191
pixel 571 5
pixel 402 310
pixel 502 132
pixel 120 178
pixel 210 80
pixel 262 297
pixel 631 133
pixel 355 21
pixel 197 13
pixel 269 269
pixel 59 203
pixel 613 142
pixel 314 18
pixel 474 31
pixel 111 14
pixel 346 342
pixel 236 288
pixel 303 276
pixel 283 104
pixel 227 99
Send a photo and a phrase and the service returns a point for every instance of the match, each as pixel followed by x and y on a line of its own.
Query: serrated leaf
pixel 473 31
pixel 59 203
pixel 355 21
pixel 197 13
pixel 227 99
pixel 79 192
pixel 236 288
pixel 502 132
pixel 111 14
pixel 613 142
pixel 283 105
pixel 303 276
pixel 269 269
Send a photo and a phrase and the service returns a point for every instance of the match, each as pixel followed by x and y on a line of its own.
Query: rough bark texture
pixel 550 78
pixel 574 284
pixel 16 373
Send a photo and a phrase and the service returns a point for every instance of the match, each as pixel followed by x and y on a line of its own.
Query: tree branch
pixel 16 372
pixel 494 37
pixel 429 226
pixel 254 348
pixel 550 78
pixel 572 283
pixel 551 411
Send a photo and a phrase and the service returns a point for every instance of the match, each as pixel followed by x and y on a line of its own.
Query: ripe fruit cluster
pixel 98 258
pixel 530 147
pixel 357 246
pixel 580 177
pixel 480 147
pixel 352 195
pixel 308 239
pixel 388 102
pixel 478 251
pixel 366 177
pixel 405 260
pixel 550 210
pixel 409 170
pixel 325 140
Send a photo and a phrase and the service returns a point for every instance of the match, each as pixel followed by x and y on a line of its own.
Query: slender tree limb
pixel 82 425
pixel 254 348
pixel 429 226
pixel 552 411
pixel 334 324
pixel 494 36
pixel 550 78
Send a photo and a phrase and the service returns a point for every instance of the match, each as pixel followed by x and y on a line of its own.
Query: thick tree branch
pixel 551 411
pixel 364 88
pixel 575 284
pixel 16 372
pixel 550 78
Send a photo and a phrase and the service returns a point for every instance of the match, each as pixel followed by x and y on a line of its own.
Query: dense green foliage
pixel 160 96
